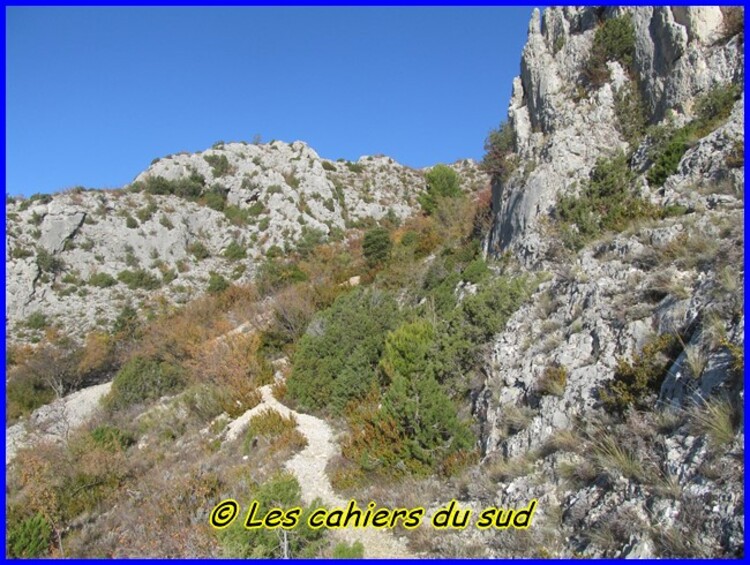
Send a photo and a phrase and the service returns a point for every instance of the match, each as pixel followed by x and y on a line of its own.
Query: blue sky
pixel 94 94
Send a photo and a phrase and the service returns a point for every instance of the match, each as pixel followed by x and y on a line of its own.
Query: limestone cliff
pixel 560 130
pixel 676 271
pixel 66 251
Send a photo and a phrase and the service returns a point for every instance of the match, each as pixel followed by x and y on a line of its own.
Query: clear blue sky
pixel 94 94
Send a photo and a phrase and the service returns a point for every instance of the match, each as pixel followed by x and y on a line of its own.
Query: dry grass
pixel 615 530
pixel 717 419
pixel 668 282
pixel 567 441
pixel 504 470
pixel 274 431
pixel 734 21
pixel 278 390
pixel 696 360
pixel 578 474
pixel 553 380
pixel 234 365
pixel 667 485
pixel 700 252
pixel 675 542
pixel 611 457
pixel 669 420
pixel 514 419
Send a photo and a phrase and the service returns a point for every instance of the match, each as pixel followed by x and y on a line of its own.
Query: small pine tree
pixel 377 246
pixel 426 418
pixel 442 182
pixel 407 350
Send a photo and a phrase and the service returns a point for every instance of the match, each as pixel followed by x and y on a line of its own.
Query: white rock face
pixel 601 305
pixel 283 188
pixel 560 132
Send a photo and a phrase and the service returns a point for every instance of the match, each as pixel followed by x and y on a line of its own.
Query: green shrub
pixel 442 182
pixel 614 41
pixel 38 197
pixel 102 280
pixel 112 438
pixel 215 200
pixel 426 419
pixel 256 209
pixel 631 114
pixel 309 240
pixel 354 167
pixel 48 263
pixel 343 550
pixel 144 214
pixel 499 148
pixel 36 321
pixel 328 166
pixel 407 350
pixel 139 278
pixel 141 380
pixel 735 158
pixel 668 156
pixel 608 202
pixel 189 188
pixel 24 395
pixel 274 252
pixel 216 283
pixel 21 253
pixel 131 222
pixel 634 382
pixel 417 429
pixel 234 251
pixel 335 362
pixel 281 491
pixel 198 250
pixel 491 307
pixel 274 275
pixel 377 246
pixel 166 222
pixel 291 180
pixel 219 165
pixel 29 538
pixel 716 105
pixel 410 238
pixel 264 223
pixel 475 271
pixel 236 215
pixel 168 275
pixel 461 329
pixel 126 324
pixel 711 111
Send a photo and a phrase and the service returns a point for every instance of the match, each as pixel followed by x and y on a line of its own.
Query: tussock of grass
pixel 503 470
pixel 611 457
pixel 717 419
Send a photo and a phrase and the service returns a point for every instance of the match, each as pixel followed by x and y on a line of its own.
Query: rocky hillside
pixel 623 178
pixel 77 258
pixel 575 338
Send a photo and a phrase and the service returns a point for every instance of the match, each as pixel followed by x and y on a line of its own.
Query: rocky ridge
pixel 66 251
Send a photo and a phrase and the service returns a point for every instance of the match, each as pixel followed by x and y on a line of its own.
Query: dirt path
pixel 55 420
pixel 309 466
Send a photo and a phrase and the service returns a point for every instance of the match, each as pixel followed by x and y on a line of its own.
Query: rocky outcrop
pixel 278 192
pixel 561 128
pixel 675 276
